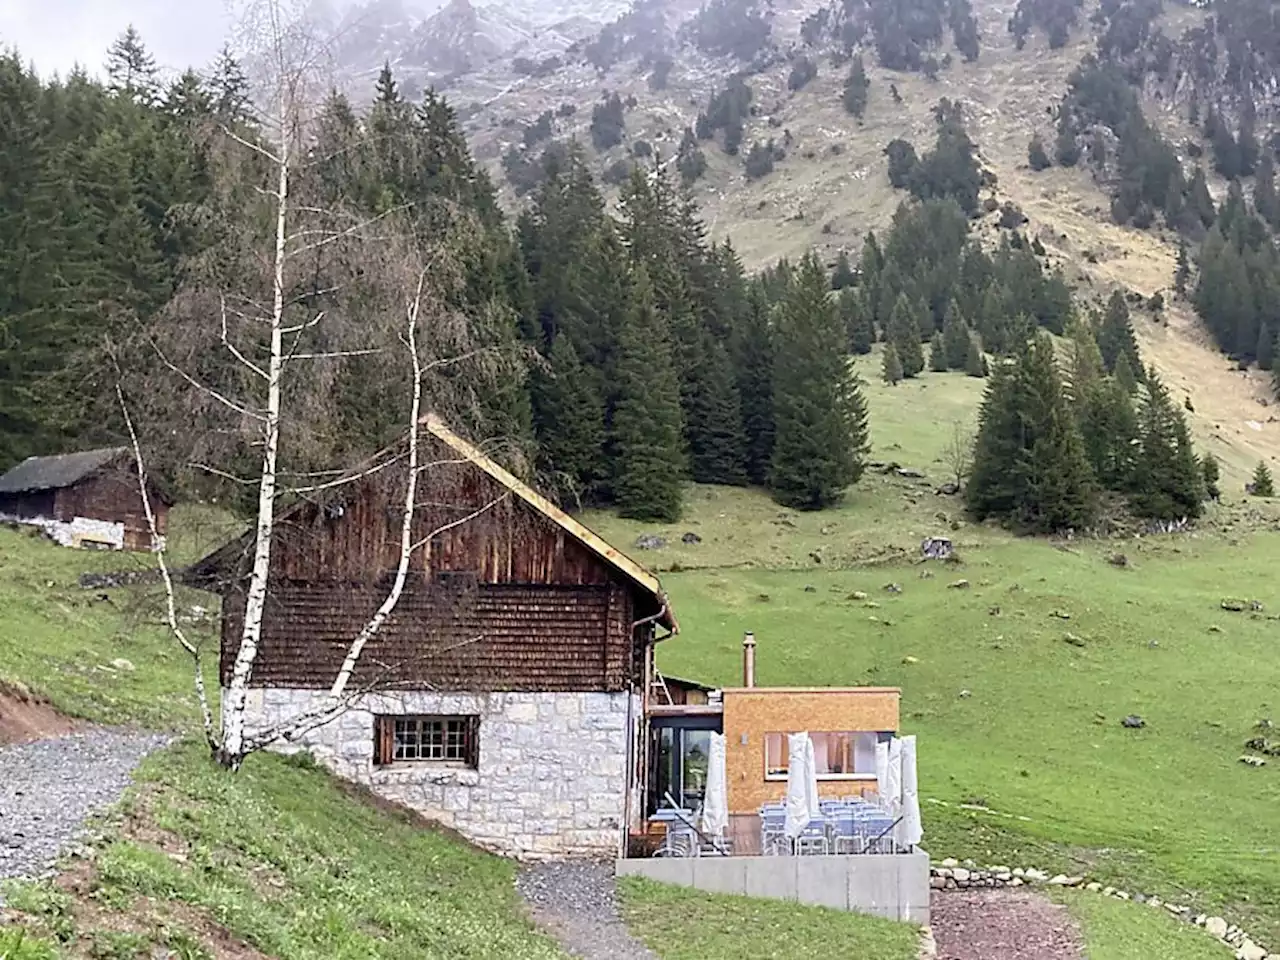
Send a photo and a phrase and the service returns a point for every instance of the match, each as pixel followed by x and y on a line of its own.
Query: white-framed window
pixel 839 755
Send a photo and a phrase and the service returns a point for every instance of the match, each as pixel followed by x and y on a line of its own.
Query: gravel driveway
pixel 576 903
pixel 48 788
pixel 1002 925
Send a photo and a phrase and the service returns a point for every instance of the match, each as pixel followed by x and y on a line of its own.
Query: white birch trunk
pixel 234 697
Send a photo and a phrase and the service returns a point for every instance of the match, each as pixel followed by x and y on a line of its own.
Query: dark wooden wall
pixel 529 637
pixel 111 494
pixel 38 503
pixel 506 601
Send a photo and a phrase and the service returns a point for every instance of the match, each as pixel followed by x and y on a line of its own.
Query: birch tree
pixel 293 289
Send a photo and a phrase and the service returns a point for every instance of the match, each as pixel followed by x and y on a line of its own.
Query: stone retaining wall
pixel 550 781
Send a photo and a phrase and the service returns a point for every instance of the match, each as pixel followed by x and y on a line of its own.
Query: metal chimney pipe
pixel 748 659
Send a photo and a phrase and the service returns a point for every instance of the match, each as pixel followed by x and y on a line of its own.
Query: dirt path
pixel 1002 925
pixel 576 903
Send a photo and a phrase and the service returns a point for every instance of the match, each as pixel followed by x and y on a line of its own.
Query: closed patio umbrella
pixel 715 803
pixel 910 830
pixel 802 785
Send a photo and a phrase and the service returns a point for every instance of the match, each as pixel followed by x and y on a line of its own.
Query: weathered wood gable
pixel 508 600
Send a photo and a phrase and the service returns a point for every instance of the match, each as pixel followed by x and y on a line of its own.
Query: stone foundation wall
pixel 551 781
pixel 77 532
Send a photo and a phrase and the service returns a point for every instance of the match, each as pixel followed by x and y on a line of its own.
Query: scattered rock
pixel 1133 722
pixel 856 595
pixel 993 611
pixel 1253 761
pixel 910 660
pixel 1118 560
pixel 691 538
pixel 936 548
pixel 1061 615
pixel 1250 951
pixel 958 585
pixel 1152 644
pixel 650 541
pixel 1216 926
pixel 926 574
pixel 810 588
pixel 965 694
pixel 948 489
pixel 1234 606
pixel 763 597
pixel 909 474
pixel 1072 639
pixel 893 588
pixel 120 663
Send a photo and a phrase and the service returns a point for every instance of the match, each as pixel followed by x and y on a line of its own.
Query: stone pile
pixel 952 874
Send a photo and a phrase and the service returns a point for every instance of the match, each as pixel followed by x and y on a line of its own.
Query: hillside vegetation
pixel 1017 664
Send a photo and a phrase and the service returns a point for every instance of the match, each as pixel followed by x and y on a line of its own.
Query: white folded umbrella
pixel 911 829
pixel 715 802
pixel 802 785
pixel 893 779
pixel 882 773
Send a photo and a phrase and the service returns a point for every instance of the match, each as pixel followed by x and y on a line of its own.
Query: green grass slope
pixel 277 861
pixel 1017 682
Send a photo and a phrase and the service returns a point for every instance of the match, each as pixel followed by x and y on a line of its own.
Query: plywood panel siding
pixel 491 637
pixel 751 713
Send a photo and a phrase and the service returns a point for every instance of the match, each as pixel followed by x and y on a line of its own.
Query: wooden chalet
pixel 85 499
pixel 506 693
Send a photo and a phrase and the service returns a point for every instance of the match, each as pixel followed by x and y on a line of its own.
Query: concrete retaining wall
pixel 892 886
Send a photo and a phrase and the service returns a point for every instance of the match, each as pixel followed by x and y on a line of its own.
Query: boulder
pixel 691 538
pixel 961 875
pixel 958 585
pixel 650 541
pixel 1216 926
pixel 1250 951
pixel 1133 722
pixel 893 588
pixel 948 489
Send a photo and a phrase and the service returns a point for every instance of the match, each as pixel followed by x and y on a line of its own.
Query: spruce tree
pixel 1124 375
pixel 857 320
pixel 904 333
pixel 1183 272
pixel 1262 485
pixel 1115 335
pixel 1210 474
pixel 647 438
pixel 714 429
pixel 891 369
pixel 821 419
pixel 1036 154
pixel 1086 359
pixel 955 337
pixel 842 275
pixel 856 86
pixel 753 362
pixel 131 67
pixel 1109 428
pixel 975 364
pixel 937 354
pixel 1029 467
pixel 570 422
pixel 1168 479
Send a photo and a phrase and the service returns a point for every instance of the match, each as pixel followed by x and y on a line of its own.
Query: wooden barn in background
pixel 85 499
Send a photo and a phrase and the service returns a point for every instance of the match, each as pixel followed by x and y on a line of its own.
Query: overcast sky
pixel 56 34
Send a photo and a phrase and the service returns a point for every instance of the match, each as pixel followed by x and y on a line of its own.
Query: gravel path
pixel 1002 925
pixel 49 787
pixel 576 903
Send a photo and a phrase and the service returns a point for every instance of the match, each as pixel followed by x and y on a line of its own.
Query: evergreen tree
pixel 891 370
pixel 131 67
pixel 1115 335
pixel 1109 428
pixel 1262 485
pixel 904 333
pixel 647 436
pixel 975 364
pixel 1029 465
pixel 1124 375
pixel 937 354
pixel 229 87
pixel 1036 155
pixel 1168 479
pixel 955 338
pixel 842 276
pixel 753 359
pixel 1086 359
pixel 856 86
pixel 714 430
pixel 1209 474
pixel 1183 273
pixel 570 422
pixel 821 419
pixel 857 320
pixel 385 89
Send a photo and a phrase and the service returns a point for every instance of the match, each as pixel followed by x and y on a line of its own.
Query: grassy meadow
pixel 1017 664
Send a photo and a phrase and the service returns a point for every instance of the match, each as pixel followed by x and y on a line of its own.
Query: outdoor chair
pixel 844 836
pixel 813 840
pixel 681 841
pixel 773 838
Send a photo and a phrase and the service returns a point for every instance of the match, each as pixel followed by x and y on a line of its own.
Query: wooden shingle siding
pixel 518 637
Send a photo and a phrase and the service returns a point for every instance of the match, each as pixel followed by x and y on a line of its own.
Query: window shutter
pixel 473 742
pixel 383 740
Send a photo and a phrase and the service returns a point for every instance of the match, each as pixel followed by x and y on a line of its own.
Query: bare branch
pixel 459 522
pixel 171 607
pixel 230 404
pixel 235 352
